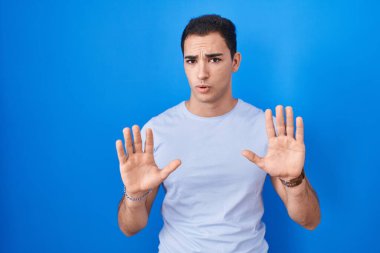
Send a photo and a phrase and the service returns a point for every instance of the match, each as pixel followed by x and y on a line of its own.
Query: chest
pixel 211 158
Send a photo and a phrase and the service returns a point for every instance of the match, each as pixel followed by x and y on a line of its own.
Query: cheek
pixel 223 72
pixel 189 74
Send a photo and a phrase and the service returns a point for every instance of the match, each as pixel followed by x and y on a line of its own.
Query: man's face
pixel 208 67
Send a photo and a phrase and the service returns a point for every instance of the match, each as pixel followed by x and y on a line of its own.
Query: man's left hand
pixel 285 157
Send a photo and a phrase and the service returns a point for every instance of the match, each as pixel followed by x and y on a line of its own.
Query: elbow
pixel 130 232
pixel 127 233
pixel 311 226
pixel 309 221
pixel 312 223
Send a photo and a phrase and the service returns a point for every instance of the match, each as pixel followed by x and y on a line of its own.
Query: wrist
pixel 133 204
pixel 293 182
pixel 297 192
pixel 136 197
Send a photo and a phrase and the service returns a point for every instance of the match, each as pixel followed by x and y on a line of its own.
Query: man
pixel 212 154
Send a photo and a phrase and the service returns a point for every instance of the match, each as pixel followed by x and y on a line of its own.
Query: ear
pixel 236 62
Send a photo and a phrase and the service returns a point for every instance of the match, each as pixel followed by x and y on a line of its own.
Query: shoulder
pixel 167 117
pixel 249 112
pixel 247 107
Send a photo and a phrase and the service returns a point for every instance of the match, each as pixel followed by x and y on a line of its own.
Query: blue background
pixel 74 73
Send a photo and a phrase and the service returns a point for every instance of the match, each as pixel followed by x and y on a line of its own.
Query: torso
pixel 213 200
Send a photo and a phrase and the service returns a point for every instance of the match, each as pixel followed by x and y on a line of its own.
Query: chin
pixel 206 99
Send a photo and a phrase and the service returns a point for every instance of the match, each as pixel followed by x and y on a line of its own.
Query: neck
pixel 210 109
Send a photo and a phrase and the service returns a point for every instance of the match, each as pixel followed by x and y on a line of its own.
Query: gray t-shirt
pixel 213 201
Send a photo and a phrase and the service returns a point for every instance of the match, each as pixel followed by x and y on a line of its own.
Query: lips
pixel 202 88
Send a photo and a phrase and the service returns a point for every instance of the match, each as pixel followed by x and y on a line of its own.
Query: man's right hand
pixel 138 169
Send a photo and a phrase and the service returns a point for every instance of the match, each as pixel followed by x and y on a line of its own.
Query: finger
pixel 137 139
pixel 128 140
pixel 269 123
pixel 299 130
pixel 172 166
pixel 259 161
pixel 149 141
pixel 280 120
pixel 120 151
pixel 289 121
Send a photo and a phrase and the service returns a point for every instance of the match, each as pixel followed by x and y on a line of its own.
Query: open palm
pixel 138 169
pixel 285 157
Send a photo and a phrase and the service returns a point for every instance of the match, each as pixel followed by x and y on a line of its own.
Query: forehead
pixel 210 43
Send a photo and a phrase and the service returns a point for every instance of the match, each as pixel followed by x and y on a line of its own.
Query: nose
pixel 203 73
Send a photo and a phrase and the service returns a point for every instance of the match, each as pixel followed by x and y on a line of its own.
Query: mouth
pixel 202 88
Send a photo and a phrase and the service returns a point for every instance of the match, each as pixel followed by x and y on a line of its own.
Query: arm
pixel 133 216
pixel 139 173
pixel 285 159
pixel 301 202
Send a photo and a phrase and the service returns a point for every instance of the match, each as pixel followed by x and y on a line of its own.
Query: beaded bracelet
pixel 141 198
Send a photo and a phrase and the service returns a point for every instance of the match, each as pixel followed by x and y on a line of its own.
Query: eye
pixel 215 59
pixel 190 61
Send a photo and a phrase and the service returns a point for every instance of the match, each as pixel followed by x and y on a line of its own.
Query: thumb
pixel 172 166
pixel 259 161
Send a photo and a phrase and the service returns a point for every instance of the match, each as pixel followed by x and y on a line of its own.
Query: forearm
pixel 132 216
pixel 303 205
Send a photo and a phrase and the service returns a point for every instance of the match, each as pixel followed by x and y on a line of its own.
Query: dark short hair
pixel 206 24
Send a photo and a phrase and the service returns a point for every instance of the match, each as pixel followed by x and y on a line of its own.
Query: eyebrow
pixel 207 55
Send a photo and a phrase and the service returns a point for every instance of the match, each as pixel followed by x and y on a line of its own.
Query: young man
pixel 212 154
